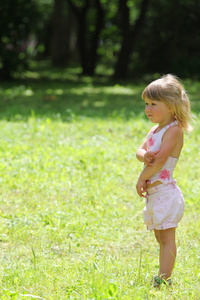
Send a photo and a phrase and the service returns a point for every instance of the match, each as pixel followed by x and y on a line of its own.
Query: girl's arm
pixel 144 155
pixel 141 151
pixel 172 137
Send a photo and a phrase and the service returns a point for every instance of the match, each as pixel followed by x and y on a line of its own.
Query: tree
pixel 129 36
pixel 62 28
pixel 88 32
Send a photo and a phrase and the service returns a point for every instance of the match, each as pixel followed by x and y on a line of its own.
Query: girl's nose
pixel 147 108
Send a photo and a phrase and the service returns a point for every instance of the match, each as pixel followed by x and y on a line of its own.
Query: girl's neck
pixel 165 123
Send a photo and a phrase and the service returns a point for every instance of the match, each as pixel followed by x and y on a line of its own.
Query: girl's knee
pixel 167 236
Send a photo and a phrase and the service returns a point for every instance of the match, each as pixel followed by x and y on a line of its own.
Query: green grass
pixel 71 224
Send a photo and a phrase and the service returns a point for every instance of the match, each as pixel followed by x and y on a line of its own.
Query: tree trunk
pixel 88 48
pixel 95 40
pixel 130 34
pixel 59 38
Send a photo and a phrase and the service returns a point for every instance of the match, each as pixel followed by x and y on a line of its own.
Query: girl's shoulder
pixel 176 128
pixel 174 132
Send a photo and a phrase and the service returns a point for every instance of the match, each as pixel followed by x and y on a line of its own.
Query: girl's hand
pixel 149 157
pixel 141 188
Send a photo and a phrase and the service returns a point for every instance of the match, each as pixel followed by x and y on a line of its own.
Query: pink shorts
pixel 164 207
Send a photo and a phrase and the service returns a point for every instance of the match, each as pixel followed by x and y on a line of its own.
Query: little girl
pixel 167 104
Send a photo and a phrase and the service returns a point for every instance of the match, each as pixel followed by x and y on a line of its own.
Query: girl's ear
pixel 170 109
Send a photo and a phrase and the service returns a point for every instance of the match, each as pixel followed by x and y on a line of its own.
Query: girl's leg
pixel 166 239
pixel 157 235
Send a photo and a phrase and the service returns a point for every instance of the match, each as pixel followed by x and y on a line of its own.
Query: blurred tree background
pixel 125 38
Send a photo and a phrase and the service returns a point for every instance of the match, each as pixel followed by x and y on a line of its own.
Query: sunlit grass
pixel 71 224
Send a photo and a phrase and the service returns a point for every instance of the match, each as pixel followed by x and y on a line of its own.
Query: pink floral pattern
pixel 164 174
pixel 151 142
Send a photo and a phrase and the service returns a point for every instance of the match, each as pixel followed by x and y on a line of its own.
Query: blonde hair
pixel 169 90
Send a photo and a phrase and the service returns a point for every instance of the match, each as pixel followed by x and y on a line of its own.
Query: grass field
pixel 71 224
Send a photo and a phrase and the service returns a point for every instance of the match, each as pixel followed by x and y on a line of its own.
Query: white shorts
pixel 164 207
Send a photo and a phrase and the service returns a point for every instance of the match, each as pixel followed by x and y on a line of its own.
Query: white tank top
pixel 154 140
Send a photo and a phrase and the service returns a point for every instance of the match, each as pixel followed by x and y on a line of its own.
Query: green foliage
pixel 17 21
pixel 169 41
pixel 70 221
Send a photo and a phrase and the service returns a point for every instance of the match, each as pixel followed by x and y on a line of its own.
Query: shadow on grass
pixel 59 93
pixel 66 99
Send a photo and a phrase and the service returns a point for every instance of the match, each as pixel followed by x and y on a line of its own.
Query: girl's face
pixel 158 112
